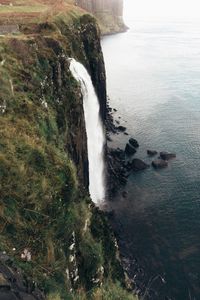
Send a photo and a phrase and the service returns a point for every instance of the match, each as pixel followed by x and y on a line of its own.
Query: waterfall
pixel 94 131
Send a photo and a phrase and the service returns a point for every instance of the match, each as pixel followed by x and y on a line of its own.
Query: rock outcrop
pixel 13 285
pixel 49 227
pixel 159 163
pixel 133 142
pixel 129 150
pixel 139 165
pixel 167 156
pixel 117 175
pixel 152 152
pixel 108 12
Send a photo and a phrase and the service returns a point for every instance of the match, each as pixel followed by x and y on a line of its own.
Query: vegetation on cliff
pixel 49 227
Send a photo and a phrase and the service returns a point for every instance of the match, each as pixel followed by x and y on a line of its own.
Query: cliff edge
pixel 54 244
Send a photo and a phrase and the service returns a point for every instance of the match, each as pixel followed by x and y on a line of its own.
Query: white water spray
pixel 94 130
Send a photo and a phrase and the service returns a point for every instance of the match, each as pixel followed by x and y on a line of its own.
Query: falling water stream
pixel 94 130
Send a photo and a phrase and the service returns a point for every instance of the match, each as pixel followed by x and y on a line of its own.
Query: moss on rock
pixel 45 209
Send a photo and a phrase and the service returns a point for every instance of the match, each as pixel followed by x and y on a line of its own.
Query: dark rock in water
pixel 138 165
pixel 130 150
pixel 116 170
pixel 109 121
pixel 128 169
pixel 108 138
pixel 124 194
pixel 125 133
pixel 133 143
pixel 152 152
pixel 167 155
pixel 159 163
pixel 117 153
pixel 121 128
pixel 115 109
pixel 128 165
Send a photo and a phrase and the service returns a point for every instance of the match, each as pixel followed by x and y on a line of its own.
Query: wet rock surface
pixel 133 142
pixel 159 163
pixel 109 121
pixel 116 170
pixel 139 165
pixel 130 150
pixel 121 128
pixel 119 167
pixel 152 152
pixel 167 155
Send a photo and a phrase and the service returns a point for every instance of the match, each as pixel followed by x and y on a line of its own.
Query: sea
pixel 153 82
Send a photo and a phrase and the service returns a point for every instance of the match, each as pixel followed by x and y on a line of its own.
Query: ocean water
pixel 153 80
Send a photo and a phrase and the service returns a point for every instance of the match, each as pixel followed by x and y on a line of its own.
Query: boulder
pixel 116 170
pixel 166 155
pixel 128 165
pixel 159 163
pixel 138 165
pixel 121 128
pixel 133 143
pixel 152 152
pixel 117 153
pixel 124 194
pixel 130 150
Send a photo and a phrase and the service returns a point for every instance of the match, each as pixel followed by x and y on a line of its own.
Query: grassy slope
pixel 23 11
pixel 41 204
pixel 42 10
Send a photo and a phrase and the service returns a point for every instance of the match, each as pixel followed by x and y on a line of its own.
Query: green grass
pixel 22 9
pixel 42 203
pixel 38 183
pixel 109 291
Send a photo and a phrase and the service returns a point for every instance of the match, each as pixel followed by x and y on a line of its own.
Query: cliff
pixel 109 14
pixel 54 243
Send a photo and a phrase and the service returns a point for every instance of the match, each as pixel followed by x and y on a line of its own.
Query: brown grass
pixel 25 11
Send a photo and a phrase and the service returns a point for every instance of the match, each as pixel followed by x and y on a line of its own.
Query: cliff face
pixel 52 238
pixel 108 12
pixel 113 6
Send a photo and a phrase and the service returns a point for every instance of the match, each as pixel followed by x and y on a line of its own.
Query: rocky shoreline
pixel 121 163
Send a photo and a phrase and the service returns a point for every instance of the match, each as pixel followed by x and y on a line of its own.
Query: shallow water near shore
pixel 153 76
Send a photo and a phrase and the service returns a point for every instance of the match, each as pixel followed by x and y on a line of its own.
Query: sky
pixel 161 8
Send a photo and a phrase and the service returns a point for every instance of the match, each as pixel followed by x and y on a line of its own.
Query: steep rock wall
pixel 51 233
pixel 108 12
pixel 113 6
